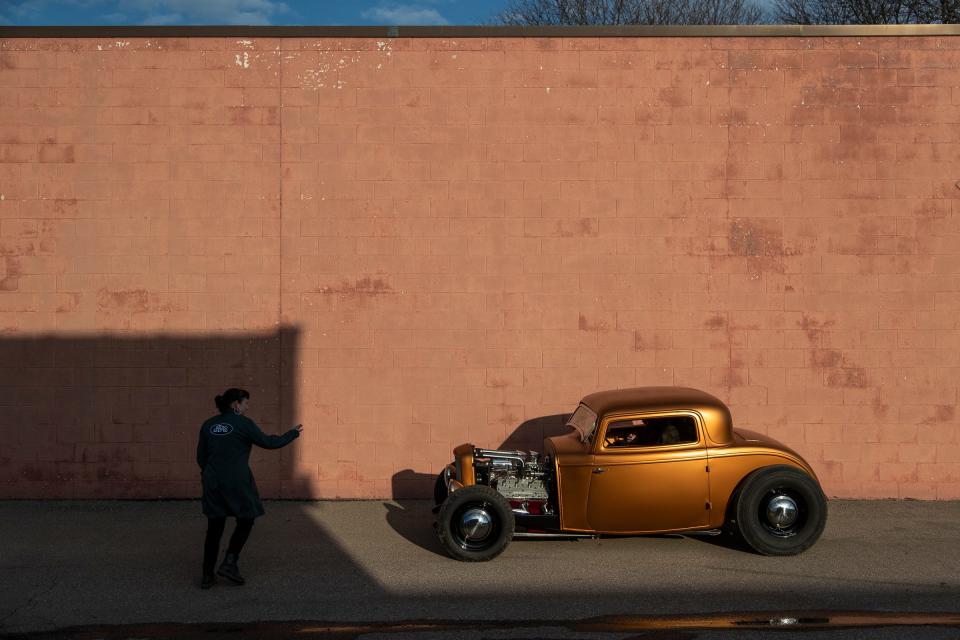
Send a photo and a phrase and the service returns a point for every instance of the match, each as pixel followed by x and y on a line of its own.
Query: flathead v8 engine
pixel 519 477
pixel 487 496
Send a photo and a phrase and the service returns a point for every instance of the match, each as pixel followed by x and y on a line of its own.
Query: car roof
pixel 643 398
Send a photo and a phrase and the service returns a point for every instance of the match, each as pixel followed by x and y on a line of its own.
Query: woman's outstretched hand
pixel 299 428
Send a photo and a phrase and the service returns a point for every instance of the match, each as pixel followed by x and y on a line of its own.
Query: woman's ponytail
pixel 228 398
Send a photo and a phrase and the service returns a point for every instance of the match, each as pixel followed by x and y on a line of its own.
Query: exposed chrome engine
pixel 522 488
pixel 521 477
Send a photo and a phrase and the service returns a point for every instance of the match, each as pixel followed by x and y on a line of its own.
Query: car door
pixel 657 481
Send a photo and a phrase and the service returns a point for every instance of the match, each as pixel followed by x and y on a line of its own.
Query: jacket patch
pixel 221 429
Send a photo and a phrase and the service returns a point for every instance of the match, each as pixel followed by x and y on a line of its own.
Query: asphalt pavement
pixel 111 569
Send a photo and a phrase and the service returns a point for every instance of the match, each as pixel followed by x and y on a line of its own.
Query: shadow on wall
pixel 409 488
pixel 117 417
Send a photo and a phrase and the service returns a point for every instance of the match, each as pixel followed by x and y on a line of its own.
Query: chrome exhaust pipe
pixel 502 455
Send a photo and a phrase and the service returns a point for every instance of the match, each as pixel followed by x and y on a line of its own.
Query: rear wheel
pixel 475 523
pixel 780 511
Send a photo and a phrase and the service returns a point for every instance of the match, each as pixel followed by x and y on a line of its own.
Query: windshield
pixel 584 420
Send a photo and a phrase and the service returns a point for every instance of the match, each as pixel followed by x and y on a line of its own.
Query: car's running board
pixel 525 534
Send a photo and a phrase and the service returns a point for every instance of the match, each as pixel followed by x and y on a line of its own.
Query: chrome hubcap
pixel 475 524
pixel 781 512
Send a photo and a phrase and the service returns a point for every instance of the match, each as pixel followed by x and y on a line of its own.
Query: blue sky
pixel 278 12
pixel 262 12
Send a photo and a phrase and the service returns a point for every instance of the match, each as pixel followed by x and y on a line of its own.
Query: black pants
pixel 211 546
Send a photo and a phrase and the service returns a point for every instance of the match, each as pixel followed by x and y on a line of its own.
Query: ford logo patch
pixel 221 429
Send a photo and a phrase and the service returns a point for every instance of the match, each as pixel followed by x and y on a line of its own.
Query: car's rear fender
pixel 728 469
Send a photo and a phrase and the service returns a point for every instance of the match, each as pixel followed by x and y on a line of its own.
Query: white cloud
pixel 26 10
pixel 404 14
pixel 205 11
pixel 29 10
pixel 249 17
pixel 153 11
pixel 163 18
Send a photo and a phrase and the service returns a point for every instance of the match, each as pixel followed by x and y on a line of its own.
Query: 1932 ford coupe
pixel 636 461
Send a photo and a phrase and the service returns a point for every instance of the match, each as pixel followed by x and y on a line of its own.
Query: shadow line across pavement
pixel 371 567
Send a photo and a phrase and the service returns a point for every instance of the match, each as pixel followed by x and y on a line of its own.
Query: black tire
pixel 439 489
pixel 777 534
pixel 467 503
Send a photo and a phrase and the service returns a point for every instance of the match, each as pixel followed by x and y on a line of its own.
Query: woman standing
pixel 223 453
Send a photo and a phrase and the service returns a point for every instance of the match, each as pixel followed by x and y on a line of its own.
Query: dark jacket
pixel 223 453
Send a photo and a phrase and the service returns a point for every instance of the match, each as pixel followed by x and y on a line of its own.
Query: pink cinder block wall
pixel 410 243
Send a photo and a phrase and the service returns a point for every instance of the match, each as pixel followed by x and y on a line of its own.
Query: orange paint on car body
pixel 682 482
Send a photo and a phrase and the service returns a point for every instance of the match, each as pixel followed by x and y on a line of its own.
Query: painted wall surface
pixel 407 244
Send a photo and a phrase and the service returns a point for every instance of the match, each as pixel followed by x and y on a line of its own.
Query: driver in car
pixel 623 438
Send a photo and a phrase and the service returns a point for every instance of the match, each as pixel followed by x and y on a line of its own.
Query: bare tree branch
pixel 867 11
pixel 622 12
pixel 692 12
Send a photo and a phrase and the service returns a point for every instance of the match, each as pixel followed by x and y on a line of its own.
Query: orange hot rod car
pixel 636 461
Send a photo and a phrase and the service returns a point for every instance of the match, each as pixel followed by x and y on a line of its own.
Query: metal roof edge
pixel 484 31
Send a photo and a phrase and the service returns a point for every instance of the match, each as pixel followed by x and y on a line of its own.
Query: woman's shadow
pixel 410 513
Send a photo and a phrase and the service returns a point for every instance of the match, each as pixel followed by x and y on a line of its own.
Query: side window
pixel 651 432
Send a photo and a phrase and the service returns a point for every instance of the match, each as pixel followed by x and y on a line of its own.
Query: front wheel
pixel 780 511
pixel 475 523
pixel 440 489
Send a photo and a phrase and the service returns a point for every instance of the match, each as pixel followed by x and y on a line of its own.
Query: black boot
pixel 208 580
pixel 229 570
